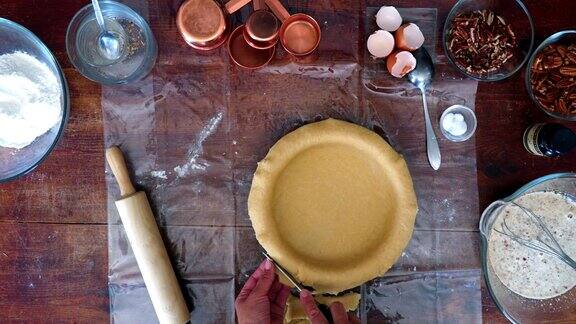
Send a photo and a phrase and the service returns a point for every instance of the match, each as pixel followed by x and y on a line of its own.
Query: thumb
pixel 311 309
pixel 266 280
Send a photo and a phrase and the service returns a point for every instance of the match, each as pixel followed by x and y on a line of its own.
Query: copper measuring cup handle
pixel 234 5
pixel 259 4
pixel 278 9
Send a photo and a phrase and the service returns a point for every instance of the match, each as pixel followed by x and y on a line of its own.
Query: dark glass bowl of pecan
pixel 551 75
pixel 488 40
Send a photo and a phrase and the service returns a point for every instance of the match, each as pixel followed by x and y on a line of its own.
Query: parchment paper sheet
pixel 194 129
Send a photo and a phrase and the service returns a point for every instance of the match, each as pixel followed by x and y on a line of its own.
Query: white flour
pixel 196 149
pixel 29 99
pixel 527 272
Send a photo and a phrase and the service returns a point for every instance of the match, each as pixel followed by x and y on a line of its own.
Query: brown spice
pixel 135 41
pixel 481 41
pixel 553 78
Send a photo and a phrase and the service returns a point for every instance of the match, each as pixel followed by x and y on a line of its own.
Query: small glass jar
pixel 469 119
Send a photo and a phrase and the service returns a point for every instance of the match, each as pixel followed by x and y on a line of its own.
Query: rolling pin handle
pixel 117 163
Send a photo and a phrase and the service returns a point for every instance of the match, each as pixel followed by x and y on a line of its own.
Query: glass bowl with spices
pixel 551 75
pixel 138 46
pixel 488 40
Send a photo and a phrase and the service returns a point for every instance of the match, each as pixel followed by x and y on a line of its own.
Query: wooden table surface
pixel 53 246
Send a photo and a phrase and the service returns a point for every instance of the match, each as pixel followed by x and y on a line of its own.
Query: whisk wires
pixel 544 241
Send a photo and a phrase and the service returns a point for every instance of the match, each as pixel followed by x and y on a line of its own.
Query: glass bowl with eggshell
pixel 514 13
pixel 517 308
pixel 17 162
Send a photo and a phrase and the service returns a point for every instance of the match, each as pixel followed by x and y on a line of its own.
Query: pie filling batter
pixel 527 272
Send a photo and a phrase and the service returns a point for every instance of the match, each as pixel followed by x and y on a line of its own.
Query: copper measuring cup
pixel 245 55
pixel 261 27
pixel 299 34
pixel 203 24
pixel 252 45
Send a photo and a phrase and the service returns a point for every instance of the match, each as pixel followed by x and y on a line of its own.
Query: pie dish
pixel 334 204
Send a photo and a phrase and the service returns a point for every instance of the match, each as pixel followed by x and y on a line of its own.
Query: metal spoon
pixel 421 77
pixel 108 42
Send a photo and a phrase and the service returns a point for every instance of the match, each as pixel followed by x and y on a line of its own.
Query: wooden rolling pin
pixel 147 245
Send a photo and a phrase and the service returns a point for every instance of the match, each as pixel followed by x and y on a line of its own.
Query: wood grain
pixel 53 273
pixel 53 247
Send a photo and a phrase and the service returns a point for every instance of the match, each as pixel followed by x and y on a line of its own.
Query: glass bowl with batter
pixel 529 286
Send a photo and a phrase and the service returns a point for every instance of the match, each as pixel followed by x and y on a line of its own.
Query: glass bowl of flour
pixel 529 286
pixel 34 102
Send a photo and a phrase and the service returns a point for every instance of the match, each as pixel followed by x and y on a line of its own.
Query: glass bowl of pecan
pixel 488 40
pixel 551 75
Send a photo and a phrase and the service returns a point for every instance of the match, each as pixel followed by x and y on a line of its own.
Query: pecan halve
pixel 569 70
pixel 555 77
pixel 565 83
pixel 550 49
pixel 552 62
pixel 561 106
pixel 562 50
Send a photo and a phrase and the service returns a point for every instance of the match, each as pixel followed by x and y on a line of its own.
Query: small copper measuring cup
pixel 299 34
pixel 261 29
pixel 246 56
pixel 203 24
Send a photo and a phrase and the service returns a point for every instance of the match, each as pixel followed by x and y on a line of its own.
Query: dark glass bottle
pixel 549 139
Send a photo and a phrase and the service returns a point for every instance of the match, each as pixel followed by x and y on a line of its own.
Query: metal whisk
pixel 544 242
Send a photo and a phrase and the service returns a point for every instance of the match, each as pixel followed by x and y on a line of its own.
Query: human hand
pixel 263 297
pixel 339 315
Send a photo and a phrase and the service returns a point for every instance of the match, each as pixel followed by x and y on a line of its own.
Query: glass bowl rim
pixel 451 16
pixel 527 79
pixel 484 239
pixel 65 97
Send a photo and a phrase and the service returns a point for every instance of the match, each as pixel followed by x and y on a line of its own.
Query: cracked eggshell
pixel 409 37
pixel 380 43
pixel 400 63
pixel 388 18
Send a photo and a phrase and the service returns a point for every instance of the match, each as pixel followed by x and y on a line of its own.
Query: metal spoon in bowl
pixel 421 77
pixel 109 44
